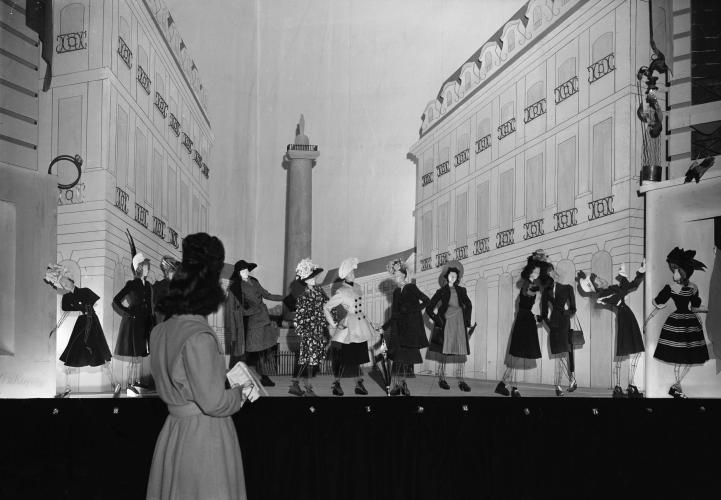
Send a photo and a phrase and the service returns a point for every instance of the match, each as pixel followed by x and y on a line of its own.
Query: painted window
pixel 184 207
pixel 505 206
pixel 141 154
pixel 566 175
pixel 602 158
pixel 196 214
pixel 534 187
pixel 566 70
pixel 172 187
pixel 72 18
pixel 535 93
pixel 158 205
pixel 427 232
pixel 461 219
pixel 443 229
pixel 602 46
pixel 506 112
pixel 121 148
pixel 484 128
pixel 483 208
pixel 463 142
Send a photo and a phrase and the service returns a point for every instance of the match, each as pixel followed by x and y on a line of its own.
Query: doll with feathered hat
pixel 681 341
pixel 629 341
pixel 137 317
pixel 310 325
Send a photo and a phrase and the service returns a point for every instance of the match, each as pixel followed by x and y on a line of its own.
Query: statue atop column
pixel 300 137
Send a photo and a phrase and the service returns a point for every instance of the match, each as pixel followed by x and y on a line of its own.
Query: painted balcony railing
pixel 565 219
pixel 161 105
pixel 427 178
pixel 483 143
pixel 144 80
pixel 462 157
pixel 601 207
pixel 175 125
pixel 158 227
pixel 481 246
pixel 504 238
pixel 601 68
pixel 534 229
pixel 125 53
pixel 302 147
pixel 197 158
pixel 121 199
pixel 506 129
pixel 69 42
pixel 534 111
pixel 141 215
pixel 426 264
pixel 442 258
pixel 566 90
pixel 443 168
pixel 173 237
pixel 205 170
pixel 461 252
pixel 187 143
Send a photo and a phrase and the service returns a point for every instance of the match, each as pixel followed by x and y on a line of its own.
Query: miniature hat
pixel 347 266
pixel 138 260
pixel 585 282
pixel 452 264
pixel 241 264
pixel 396 265
pixel 305 270
pixel 685 260
pixel 168 263
pixel 54 273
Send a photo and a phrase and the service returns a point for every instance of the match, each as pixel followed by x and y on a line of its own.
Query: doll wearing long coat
pixel 87 345
pixel 137 321
pixel 450 337
pixel 408 334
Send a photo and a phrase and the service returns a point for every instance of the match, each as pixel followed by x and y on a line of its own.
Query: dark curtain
pixel 39 18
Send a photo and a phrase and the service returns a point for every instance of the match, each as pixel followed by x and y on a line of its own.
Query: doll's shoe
pixel 404 389
pixel 337 391
pixel 633 393
pixel 559 391
pixel 64 394
pixel 360 388
pixel 295 389
pixel 618 392
pixel 266 381
pixel 502 389
pixel 443 384
pixel 573 386
pixel 677 392
pixel 396 391
pixel 309 392
pixel 463 386
pixel 515 393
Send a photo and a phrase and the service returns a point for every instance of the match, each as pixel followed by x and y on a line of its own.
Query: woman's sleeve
pixel 431 307
pixel 421 297
pixel 206 376
pixel 228 313
pixel 118 299
pixel 270 296
pixel 663 296
pixel 67 303
pixel 695 300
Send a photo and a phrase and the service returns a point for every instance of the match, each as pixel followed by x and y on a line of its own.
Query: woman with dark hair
pixel 137 321
pixel 682 341
pixel 523 342
pixel 451 320
pixel 197 453
pixel 407 333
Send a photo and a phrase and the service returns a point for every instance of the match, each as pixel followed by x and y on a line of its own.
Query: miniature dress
pixel 524 335
pixel 87 345
pixel 311 326
pixel 137 319
pixel 681 340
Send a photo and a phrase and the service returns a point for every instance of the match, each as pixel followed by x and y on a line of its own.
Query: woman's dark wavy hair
pixel 195 287
pixel 528 269
pixel 453 270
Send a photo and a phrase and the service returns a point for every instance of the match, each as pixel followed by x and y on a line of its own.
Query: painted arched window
pixel 484 128
pixel 506 112
pixel 534 93
pixel 602 46
pixel 449 98
pixel 566 70
pixel 72 18
pixel 142 58
pixel 537 17
pixel 489 61
pixel 511 40
pixel 124 30
pixel 467 80
pixel 430 114
pixel 463 143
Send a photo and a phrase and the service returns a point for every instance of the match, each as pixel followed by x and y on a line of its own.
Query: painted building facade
pixel 534 143
pixel 127 97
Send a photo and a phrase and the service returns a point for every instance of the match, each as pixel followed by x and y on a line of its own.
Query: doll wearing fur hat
pixel 681 341
pixel 629 341
pixel 310 325
pixel 350 336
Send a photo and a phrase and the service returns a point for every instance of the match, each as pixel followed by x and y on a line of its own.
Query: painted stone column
pixel 299 161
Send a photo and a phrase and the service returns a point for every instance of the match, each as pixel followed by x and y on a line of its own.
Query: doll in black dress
pixel 523 342
pixel 87 345
pixel 681 341
pixel 137 321
pixel 629 341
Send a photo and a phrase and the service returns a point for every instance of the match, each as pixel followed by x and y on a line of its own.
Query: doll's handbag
pixel 577 338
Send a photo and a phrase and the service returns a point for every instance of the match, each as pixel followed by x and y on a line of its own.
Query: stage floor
pixel 419 385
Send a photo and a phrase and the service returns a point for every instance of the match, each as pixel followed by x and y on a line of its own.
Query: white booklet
pixel 241 375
